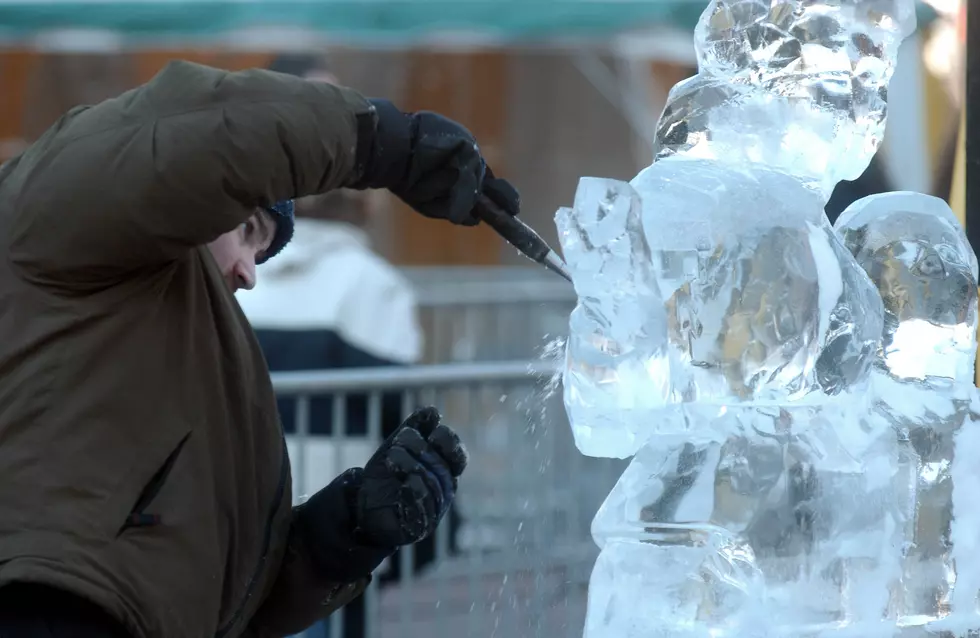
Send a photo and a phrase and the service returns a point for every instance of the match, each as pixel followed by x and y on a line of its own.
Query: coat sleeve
pixel 324 566
pixel 300 596
pixel 175 163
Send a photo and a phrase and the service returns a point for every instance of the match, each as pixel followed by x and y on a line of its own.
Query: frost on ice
pixel 797 398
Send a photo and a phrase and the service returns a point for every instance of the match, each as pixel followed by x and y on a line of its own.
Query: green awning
pixel 365 21
pixel 372 22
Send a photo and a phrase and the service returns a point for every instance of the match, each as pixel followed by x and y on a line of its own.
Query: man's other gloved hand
pixel 430 162
pixel 397 499
pixel 410 482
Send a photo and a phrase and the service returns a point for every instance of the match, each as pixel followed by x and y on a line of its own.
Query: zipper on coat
pixel 138 517
pixel 266 542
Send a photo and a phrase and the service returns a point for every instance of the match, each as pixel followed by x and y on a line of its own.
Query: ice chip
pixel 616 369
pixel 916 253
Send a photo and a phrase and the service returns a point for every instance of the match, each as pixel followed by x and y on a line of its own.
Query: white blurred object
pixel 328 278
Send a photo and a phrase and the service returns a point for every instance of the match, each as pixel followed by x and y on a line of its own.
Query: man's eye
pixel 248 227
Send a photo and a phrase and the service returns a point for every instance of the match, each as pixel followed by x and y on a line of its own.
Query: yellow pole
pixel 957 196
pixel 957 199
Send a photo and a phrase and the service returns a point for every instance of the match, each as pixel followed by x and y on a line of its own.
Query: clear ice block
pixel 701 281
pixel 930 419
pixel 772 307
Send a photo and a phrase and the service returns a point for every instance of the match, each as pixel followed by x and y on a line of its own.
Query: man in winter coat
pixel 144 482
pixel 329 301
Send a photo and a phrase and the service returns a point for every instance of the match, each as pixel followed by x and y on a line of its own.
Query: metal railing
pixel 489 313
pixel 523 551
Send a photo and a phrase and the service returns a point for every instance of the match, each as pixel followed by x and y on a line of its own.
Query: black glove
pixel 430 162
pixel 399 497
pixel 410 482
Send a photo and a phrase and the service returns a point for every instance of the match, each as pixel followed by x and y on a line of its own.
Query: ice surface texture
pixel 617 370
pixel 916 253
pixel 798 398
pixel 705 282
pixel 714 275
pixel 851 518
pixel 935 422
pixel 791 526
pixel 798 85
pixel 772 307
pixel 854 515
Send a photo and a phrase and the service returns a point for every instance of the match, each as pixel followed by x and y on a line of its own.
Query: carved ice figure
pixel 916 253
pixel 725 336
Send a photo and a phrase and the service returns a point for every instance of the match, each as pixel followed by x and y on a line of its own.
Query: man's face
pixel 237 251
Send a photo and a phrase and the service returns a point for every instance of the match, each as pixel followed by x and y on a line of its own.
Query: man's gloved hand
pixel 410 482
pixel 430 162
pixel 398 498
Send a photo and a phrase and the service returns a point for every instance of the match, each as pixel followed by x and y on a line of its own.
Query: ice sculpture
pixel 714 276
pixel 792 395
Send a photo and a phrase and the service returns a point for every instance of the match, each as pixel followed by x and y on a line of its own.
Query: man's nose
pixel 244 275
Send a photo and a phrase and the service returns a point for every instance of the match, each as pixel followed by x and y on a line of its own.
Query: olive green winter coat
pixel 142 463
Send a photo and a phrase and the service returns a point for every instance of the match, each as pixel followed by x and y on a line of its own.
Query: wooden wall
pixel 16 69
pixel 37 88
pixel 539 122
pixel 472 88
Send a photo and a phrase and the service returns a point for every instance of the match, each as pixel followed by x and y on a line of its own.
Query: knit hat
pixel 284 214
